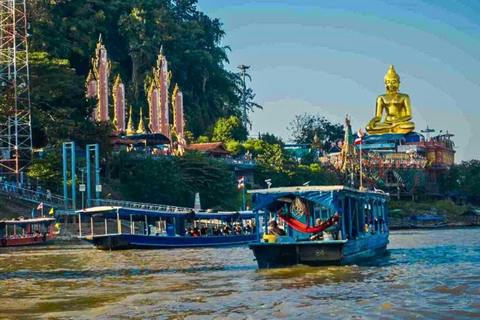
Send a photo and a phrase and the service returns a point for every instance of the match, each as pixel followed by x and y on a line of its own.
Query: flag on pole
pixel 51 211
pixel 241 183
pixel 40 206
pixel 359 138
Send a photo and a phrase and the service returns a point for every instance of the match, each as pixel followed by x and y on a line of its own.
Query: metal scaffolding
pixel 15 118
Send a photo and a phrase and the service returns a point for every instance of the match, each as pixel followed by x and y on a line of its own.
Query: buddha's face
pixel 392 84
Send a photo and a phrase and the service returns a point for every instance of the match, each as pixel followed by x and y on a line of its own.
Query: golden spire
pixel 130 129
pixel 141 125
pixel 391 74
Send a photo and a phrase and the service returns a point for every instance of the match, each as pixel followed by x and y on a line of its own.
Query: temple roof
pixel 212 147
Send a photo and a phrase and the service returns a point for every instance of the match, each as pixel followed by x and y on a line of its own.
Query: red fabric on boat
pixel 297 225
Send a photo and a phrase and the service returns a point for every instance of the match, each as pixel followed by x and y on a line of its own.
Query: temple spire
pixel 130 129
pixel 119 104
pixel 141 124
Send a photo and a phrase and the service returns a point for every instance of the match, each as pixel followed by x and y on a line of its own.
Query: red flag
pixel 241 183
pixel 40 206
pixel 359 138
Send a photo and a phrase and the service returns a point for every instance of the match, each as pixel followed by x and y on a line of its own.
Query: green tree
pixel 133 32
pixel 305 126
pixel 227 129
pixel 464 177
pixel 271 139
pixel 59 108
pixel 48 170
pixel 236 148
pixel 175 181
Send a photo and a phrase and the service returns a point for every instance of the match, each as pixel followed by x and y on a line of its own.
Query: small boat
pixel 120 228
pixel 427 222
pixel 323 225
pixel 23 232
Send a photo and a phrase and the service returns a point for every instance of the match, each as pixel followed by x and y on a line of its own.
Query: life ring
pixel 4 242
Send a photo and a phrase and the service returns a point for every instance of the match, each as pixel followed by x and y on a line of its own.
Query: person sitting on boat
pixel 318 235
pixel 248 228
pixel 238 229
pixel 204 231
pixel 215 231
pixel 274 229
pixel 226 230
pixel 196 232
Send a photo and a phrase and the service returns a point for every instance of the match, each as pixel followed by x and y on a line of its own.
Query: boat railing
pixel 142 206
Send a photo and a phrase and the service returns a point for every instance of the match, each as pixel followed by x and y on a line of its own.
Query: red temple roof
pixel 214 148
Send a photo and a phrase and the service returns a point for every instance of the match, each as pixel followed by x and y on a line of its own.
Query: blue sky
pixel 330 57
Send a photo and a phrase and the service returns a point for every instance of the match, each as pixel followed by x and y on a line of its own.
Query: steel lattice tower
pixel 15 118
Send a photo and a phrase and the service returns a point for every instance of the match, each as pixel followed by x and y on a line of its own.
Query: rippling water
pixel 427 274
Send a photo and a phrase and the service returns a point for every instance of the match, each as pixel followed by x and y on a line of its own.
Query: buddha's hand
pixel 373 122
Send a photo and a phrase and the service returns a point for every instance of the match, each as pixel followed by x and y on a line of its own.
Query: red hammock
pixel 297 225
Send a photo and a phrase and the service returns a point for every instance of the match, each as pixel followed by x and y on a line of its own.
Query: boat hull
pixel 319 253
pixel 431 226
pixel 131 241
pixel 28 241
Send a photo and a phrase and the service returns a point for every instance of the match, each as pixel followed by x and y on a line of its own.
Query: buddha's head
pixel 392 80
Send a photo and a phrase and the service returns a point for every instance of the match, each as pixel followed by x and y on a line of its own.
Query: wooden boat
pixel 354 226
pixel 23 232
pixel 427 222
pixel 119 228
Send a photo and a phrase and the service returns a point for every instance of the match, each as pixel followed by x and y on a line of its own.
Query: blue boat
pixel 427 222
pixel 119 228
pixel 323 225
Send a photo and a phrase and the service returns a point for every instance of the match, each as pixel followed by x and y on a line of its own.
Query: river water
pixel 427 274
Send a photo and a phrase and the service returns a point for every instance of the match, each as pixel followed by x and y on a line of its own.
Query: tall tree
pixel 133 32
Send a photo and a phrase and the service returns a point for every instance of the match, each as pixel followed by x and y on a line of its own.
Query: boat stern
pixel 313 253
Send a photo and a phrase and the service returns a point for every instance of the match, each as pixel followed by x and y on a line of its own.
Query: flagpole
pixel 361 158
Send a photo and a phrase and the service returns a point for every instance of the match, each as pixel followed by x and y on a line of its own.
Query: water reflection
pixel 426 274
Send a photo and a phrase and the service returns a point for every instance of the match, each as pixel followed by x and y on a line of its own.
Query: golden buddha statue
pixel 398 111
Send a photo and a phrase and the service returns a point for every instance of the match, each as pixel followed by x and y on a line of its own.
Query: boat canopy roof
pixel 323 195
pixel 25 222
pixel 139 214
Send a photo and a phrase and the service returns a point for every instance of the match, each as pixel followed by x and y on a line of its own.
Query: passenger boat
pixel 427 222
pixel 23 232
pixel 352 227
pixel 119 228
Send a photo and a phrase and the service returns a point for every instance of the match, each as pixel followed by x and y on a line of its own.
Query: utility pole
pixel 243 68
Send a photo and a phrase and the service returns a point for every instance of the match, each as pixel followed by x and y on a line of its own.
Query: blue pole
pixel 243 195
pixel 97 171
pixel 257 225
pixel 65 189
pixel 74 174
pixel 87 155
